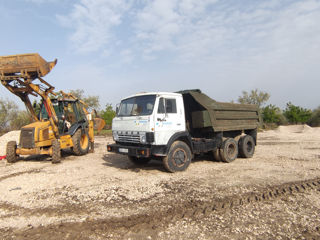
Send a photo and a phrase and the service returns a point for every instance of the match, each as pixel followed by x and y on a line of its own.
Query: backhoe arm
pixel 17 73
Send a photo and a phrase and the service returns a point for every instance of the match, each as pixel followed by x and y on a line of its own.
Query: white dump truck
pixel 173 127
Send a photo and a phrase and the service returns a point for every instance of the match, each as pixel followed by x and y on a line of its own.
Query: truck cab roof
pixel 153 93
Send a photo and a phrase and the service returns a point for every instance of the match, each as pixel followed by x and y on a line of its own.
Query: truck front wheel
pixel 178 158
pixel 229 150
pixel 12 157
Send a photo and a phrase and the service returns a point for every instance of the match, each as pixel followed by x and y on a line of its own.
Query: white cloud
pixel 43 1
pixel 93 22
pixel 194 30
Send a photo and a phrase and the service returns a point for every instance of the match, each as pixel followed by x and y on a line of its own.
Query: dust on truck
pixel 174 127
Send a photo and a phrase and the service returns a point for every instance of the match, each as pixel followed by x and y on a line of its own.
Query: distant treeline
pixel 274 116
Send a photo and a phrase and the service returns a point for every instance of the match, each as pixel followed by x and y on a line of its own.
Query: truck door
pixel 169 118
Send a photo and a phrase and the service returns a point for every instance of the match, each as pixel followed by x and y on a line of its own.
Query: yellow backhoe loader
pixel 63 121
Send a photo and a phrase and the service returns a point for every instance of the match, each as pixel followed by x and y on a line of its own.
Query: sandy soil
pixel 104 196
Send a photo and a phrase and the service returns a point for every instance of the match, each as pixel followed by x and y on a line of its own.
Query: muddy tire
pixel 139 161
pixel 80 142
pixel 12 157
pixel 178 158
pixel 56 151
pixel 229 150
pixel 216 155
pixel 246 146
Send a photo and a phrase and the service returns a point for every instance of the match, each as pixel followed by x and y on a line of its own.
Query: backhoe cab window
pixel 137 106
pixel 167 105
pixel 58 108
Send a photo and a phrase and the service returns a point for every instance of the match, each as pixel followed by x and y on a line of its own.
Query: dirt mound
pixel 10 136
pixel 294 129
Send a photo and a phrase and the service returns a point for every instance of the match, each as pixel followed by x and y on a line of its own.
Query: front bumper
pixel 134 151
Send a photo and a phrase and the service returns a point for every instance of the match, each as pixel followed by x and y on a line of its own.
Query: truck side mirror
pixel 117 108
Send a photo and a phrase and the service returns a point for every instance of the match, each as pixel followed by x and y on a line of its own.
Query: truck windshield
pixel 137 106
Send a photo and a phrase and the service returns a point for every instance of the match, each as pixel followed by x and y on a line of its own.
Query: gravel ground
pixel 104 196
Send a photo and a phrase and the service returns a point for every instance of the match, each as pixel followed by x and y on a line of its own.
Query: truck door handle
pixel 178 124
pixel 161 120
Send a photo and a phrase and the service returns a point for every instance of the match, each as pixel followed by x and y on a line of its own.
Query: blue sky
pixel 115 48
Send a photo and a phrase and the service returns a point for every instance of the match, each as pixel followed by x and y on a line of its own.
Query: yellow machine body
pixel 18 73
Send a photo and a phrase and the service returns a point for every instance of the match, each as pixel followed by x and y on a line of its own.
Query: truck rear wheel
pixel 56 151
pixel 80 142
pixel 178 158
pixel 139 161
pixel 246 146
pixel 216 155
pixel 229 150
pixel 12 157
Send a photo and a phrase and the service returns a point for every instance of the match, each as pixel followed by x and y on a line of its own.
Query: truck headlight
pixel 115 136
pixel 143 138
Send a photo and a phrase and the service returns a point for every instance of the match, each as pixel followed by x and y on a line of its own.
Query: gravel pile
pixel 10 136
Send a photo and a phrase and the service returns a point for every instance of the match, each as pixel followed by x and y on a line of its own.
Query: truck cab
pixel 173 127
pixel 149 119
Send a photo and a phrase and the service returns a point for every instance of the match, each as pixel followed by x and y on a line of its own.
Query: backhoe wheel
pixel 216 155
pixel 139 161
pixel 229 150
pixel 56 151
pixel 246 146
pixel 80 142
pixel 178 158
pixel 12 157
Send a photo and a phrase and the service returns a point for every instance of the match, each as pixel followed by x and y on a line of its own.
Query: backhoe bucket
pixel 99 124
pixel 29 66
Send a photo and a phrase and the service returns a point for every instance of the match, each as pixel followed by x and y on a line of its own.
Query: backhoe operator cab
pixel 70 115
pixel 173 127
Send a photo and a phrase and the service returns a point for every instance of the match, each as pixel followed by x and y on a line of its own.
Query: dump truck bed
pixel 31 65
pixel 204 112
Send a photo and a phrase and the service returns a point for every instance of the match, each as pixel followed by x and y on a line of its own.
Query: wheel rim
pixel 84 141
pixel 249 146
pixel 179 157
pixel 231 150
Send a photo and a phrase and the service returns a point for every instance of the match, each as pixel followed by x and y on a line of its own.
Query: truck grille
pixel 27 138
pixel 129 138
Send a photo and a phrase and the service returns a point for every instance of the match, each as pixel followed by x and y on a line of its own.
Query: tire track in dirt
pixel 65 209
pixel 159 219
pixel 38 170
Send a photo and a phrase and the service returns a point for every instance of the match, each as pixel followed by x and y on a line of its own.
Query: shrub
pixel 296 114
pixel 108 114
pixel 314 121
pixel 22 118
pixel 271 114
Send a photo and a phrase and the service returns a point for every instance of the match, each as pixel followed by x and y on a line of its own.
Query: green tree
pixel 273 114
pixel 36 107
pixel 8 111
pixel 22 118
pixel 296 114
pixel 11 118
pixel 108 114
pixel 314 121
pixel 93 102
pixel 254 97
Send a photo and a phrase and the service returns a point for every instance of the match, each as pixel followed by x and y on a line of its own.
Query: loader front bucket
pixel 29 66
